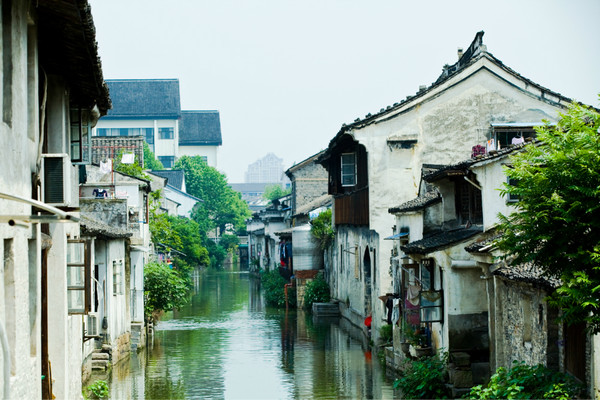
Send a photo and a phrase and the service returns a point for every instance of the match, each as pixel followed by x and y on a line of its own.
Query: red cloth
pixel 368 321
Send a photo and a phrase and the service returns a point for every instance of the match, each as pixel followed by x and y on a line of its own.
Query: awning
pixel 397 236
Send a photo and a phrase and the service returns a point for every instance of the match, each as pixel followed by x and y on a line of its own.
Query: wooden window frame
pixel 87 276
pixel 345 175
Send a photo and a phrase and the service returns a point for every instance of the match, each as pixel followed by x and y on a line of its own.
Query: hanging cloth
pixel 412 294
pixel 128 158
pixel 106 166
pixel 517 140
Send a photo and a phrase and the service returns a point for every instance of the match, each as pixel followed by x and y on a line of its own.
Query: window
pixel 504 137
pixel 149 135
pixel 427 274
pixel 432 304
pixel 117 277
pixel 167 161
pixel 512 197
pixel 468 201
pixel 78 277
pixel 348 169
pixel 102 132
pixel 165 133
pixel 81 140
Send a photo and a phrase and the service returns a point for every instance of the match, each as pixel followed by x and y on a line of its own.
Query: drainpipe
pixel 6 364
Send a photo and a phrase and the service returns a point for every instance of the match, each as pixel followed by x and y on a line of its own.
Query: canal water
pixel 226 344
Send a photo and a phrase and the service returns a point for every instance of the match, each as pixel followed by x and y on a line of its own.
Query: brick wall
pixel 309 182
pixel 104 147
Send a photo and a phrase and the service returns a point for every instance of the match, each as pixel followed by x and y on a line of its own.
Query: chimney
pixel 459 52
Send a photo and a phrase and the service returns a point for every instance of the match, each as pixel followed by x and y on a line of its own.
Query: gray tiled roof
pixel 528 273
pixel 419 203
pixel 475 51
pixel 200 128
pixel 321 201
pixel 466 164
pixel 440 240
pixel 174 177
pixel 144 98
pixel 67 47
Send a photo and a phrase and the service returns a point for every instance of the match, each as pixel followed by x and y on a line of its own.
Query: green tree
pixel 322 230
pixel 220 204
pixel 275 191
pixel 161 226
pixel 191 239
pixel 229 242
pixel 150 161
pixel 164 289
pixel 134 169
pixel 556 223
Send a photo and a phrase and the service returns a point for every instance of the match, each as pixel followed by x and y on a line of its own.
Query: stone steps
pixel 101 358
pixel 100 365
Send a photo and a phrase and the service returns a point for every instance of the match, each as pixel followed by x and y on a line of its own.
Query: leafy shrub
pixel 424 378
pixel 526 382
pixel 322 230
pixel 98 390
pixel 316 291
pixel 273 288
pixel 385 333
pixel 164 289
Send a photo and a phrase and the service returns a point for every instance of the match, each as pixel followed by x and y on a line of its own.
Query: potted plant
pixel 418 346
pixel 409 338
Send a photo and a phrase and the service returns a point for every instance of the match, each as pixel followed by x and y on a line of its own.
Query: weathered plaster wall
pixel 350 275
pixel 491 177
pixel 110 211
pixel 465 302
pixel 64 332
pixel 521 323
pixel 115 307
pixel 20 271
pixel 447 123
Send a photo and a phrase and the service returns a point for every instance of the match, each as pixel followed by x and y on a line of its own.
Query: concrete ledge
pixel 326 309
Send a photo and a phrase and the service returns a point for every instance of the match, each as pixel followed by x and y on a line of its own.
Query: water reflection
pixel 227 344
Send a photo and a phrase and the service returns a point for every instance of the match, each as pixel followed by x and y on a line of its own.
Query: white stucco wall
pixel 162 147
pixel 20 272
pixel 112 306
pixel 447 122
pixel 210 152
pixel 491 176
pixel 186 203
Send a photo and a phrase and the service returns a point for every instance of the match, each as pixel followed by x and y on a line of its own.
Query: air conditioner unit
pixel 91 324
pixel 57 182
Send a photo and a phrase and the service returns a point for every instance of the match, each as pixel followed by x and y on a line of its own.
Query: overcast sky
pixel 285 75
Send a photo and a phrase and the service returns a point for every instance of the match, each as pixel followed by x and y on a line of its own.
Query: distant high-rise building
pixel 268 169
